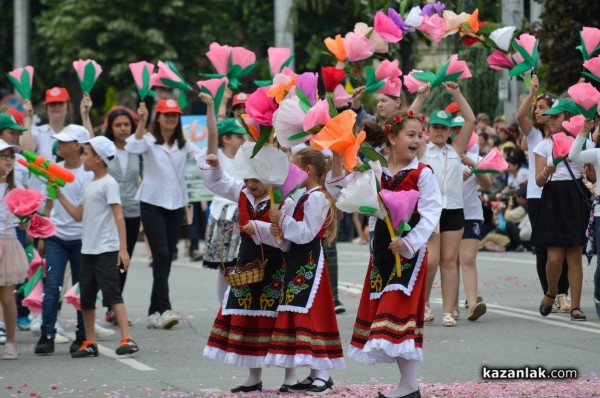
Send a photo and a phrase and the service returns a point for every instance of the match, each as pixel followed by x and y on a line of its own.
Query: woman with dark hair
pixel 126 170
pixel 163 196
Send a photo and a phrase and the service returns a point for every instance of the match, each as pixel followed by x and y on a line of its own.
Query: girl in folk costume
pixel 243 326
pixel 389 322
pixel 306 331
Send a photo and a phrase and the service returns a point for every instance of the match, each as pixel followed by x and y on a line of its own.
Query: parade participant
pixel 164 150
pixel 13 263
pixel 306 331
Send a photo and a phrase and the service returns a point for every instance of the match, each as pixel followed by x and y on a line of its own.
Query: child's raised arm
pixel 120 222
pixel 523 113
pixel 422 95
pixel 143 115
pixel 213 135
pixel 84 109
pixel 462 139
pixel 74 211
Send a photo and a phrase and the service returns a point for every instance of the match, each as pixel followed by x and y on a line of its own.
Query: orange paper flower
pixel 338 136
pixel 473 23
pixel 282 84
pixel 336 47
pixel 252 126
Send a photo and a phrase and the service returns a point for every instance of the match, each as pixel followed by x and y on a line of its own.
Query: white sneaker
pixel 154 321
pixel 169 319
pixel 60 339
pixel 59 328
pixel 2 335
pixel 102 332
pixel 36 323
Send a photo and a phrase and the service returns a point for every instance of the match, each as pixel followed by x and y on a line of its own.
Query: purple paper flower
pixel 430 9
pixel 308 81
pixel 397 19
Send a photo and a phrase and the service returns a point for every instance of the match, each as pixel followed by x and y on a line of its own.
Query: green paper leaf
pixel 519 69
pixel 28 286
pixel 19 86
pixel 367 209
pixel 363 167
pixel 287 62
pixel 332 109
pixel 277 194
pixel 174 69
pixel 403 5
pixel 248 69
pixel 298 136
pixel 591 76
pixel 25 85
pixel 263 138
pixel 440 79
pixel 173 84
pixel 477 171
pixel 489 28
pixel 529 59
pixel 589 113
pixel 234 71
pixel 371 88
pixel 304 101
pixel 89 78
pixel 263 83
pixel 526 81
pixel 29 252
pixel 424 76
pixel 373 155
pixel 211 75
pixel 403 227
pixel 556 161
pixel 182 100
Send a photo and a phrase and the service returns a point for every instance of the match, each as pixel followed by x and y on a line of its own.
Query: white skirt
pixel 13 262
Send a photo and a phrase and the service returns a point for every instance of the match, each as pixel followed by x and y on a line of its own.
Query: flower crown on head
pixel 548 97
pixel 399 118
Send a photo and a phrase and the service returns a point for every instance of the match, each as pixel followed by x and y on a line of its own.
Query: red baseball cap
pixel 452 108
pixel 239 99
pixel 168 106
pixel 19 117
pixel 56 94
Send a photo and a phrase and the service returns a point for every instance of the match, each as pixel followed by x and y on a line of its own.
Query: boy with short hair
pixel 103 245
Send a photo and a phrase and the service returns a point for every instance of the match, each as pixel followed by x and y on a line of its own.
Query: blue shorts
pixel 472 229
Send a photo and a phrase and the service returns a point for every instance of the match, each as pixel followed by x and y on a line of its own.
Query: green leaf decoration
pixel 530 59
pixel 287 62
pixel 556 161
pixel 211 75
pixel 372 84
pixel 363 167
pixel 89 78
pixel 372 154
pixel 367 209
pixel 182 100
pixel 403 5
pixel 332 109
pixel 277 194
pixel 28 286
pixel 519 69
pixel 477 171
pixel 23 87
pixel 145 91
pixel 403 227
pixel 174 69
pixel 489 28
pixel 29 252
pixel 263 83
pixel 588 113
pixel 591 76
pixel 304 101
pixel 263 138
pixel 298 136
pixel 248 69
pixel 424 76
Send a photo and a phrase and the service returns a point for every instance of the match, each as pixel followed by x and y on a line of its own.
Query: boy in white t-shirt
pixel 104 245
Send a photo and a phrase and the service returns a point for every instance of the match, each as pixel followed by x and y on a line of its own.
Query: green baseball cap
pixel 230 125
pixel 563 105
pixel 441 117
pixel 7 121
pixel 458 121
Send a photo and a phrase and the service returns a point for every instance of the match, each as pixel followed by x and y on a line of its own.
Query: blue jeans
pixel 597 273
pixel 58 252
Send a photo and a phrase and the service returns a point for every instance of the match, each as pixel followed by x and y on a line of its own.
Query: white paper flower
pixel 288 120
pixel 270 165
pixel 503 37
pixel 360 196
pixel 414 17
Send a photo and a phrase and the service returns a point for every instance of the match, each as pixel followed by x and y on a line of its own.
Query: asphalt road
pixel 511 335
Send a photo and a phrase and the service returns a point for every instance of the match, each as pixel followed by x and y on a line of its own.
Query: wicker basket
pixel 241 275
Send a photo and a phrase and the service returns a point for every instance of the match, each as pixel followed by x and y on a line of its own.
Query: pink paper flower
pixel 591 38
pixel 212 85
pixel 400 204
pixel 387 68
pixel 358 47
pixel 454 21
pixel 584 95
pixel 242 57
pixel 340 96
pixel 261 107
pixel 317 115
pixel 498 60
pixel 393 87
pixel 87 72
pixel 527 41
pixel 412 83
pixel 575 124
pixel 35 298
pixel 22 80
pixel 137 70
pixel 165 72
pixel 295 177
pixel 40 227
pixel 561 145
pixel 473 140
pixel 386 28
pixel 434 27
pixel 23 202
pixel 277 57
pixel 381 45
pixel 593 65
pixel 73 297
pixel 494 160
pixel 455 65
pixel 218 55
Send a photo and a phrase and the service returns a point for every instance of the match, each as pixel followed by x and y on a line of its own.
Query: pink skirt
pixel 13 262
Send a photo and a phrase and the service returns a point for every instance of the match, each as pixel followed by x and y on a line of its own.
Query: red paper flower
pixel 332 77
pixel 422 117
pixel 388 127
pixel 40 227
pixel 397 118
pixel 410 113
pixel 23 202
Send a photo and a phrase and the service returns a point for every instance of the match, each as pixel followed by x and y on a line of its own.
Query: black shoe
pixel 45 345
pixel 321 390
pixel 87 349
pixel 414 394
pixel 545 310
pixel 127 346
pixel 284 388
pixel 301 386
pixel 578 317
pixel 256 387
pixel 338 306
pixel 75 345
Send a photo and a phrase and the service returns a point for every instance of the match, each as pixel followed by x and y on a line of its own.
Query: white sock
pixel 319 374
pixel 408 378
pixel 221 288
pixel 253 377
pixel 2 325
pixel 290 377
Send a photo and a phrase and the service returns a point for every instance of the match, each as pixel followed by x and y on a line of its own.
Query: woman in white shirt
pixel 162 196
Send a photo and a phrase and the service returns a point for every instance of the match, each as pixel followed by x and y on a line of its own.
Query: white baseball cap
pixel 5 145
pixel 104 147
pixel 73 132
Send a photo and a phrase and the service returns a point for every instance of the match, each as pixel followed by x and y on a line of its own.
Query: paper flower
pixel 434 27
pixel 393 87
pixel 590 42
pixel 294 180
pixel 23 202
pixel 142 71
pixel 471 25
pixel 493 162
pixel 387 68
pixel 73 297
pixel 430 9
pixel 340 96
pixel 400 205
pixel 381 45
pixel 357 47
pixel 593 65
pixel 454 21
pixel 336 47
pixel 452 70
pixel 386 28
pixel 412 83
pixel 218 56
pixel 22 80
pixel 40 227
pixel 586 96
pixel 269 165
pixel 414 17
pixel 561 145
pixel 169 76
pixel 261 107
pixel 338 136
pixel 473 140
pixel 397 19
pixel 317 115
pixel 575 124
pixel 498 60
pixel 35 298
pixel 331 77
pixel 360 196
pixel 308 82
pixel 279 58
pixel 282 85
pixel 288 122
pixel 502 37
pixel 215 88
pixel 458 67
pixel 87 73
pixel 527 46
pixel 233 62
pixel 251 126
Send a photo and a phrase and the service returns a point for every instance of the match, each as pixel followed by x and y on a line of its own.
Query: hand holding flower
pixel 397 246
pixel 275 216
pixel 275 231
